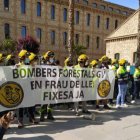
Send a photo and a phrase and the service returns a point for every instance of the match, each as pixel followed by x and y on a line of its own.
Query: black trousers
pixel 136 90
pixel 2 132
pixel 30 113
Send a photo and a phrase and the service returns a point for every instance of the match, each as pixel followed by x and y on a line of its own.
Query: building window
pixel 65 13
pixel 23 6
pixel 88 19
pixel 107 23
pixel 87 41
pixel 7 30
pixel 6 4
pixel 117 56
pixel 85 2
pixel 23 31
pixel 98 21
pixel 38 9
pixel 39 34
pixel 77 17
pixel 124 13
pixel 94 5
pixel 134 57
pixel 110 9
pixel 116 24
pixel 77 39
pixel 52 37
pixel 97 42
pixel 65 38
pixel 52 12
pixel 102 7
pixel 118 11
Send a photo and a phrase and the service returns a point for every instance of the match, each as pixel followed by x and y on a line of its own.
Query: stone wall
pixel 125 47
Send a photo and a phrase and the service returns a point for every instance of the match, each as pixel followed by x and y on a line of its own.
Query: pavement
pixel 120 124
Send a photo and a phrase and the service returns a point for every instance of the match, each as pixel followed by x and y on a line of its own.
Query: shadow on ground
pixel 65 120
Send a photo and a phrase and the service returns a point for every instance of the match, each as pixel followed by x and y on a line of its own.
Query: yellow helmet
pixel 8 57
pixel 48 54
pixel 66 61
pixel 93 63
pixel 122 62
pixel 100 60
pixel 32 56
pixel 104 58
pixel 82 58
pixel 22 53
pixel 113 61
pixel 1 56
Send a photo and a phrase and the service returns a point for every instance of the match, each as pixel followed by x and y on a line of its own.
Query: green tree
pixel 78 50
pixel 8 46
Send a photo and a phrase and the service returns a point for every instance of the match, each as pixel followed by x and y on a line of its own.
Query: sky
pixel 128 3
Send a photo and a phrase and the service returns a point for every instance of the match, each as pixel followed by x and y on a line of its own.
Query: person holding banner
pixel 114 67
pixel 82 63
pixel 94 65
pixel 104 65
pixel 48 59
pixel 122 75
pixel 32 61
pixel 24 60
pixel 68 63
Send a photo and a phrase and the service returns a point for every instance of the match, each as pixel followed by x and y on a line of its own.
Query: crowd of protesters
pixel 125 75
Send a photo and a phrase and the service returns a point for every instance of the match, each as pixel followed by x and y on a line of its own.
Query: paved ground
pixel 122 124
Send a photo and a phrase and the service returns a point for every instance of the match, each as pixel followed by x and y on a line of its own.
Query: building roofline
pixel 119 5
pixel 108 37
pixel 121 37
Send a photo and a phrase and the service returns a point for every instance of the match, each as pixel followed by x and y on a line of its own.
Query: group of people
pixel 121 69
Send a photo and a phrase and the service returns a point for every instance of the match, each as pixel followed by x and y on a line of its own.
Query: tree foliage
pixel 78 50
pixel 8 46
pixel 28 43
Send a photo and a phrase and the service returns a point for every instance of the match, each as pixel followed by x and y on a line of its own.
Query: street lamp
pixel 71 28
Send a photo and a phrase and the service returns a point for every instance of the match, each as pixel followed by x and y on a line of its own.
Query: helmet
pixel 1 55
pixel 122 62
pixel 66 61
pixel 22 53
pixel 93 63
pixel 104 58
pixel 113 61
pixel 8 57
pixel 82 58
pixel 48 54
pixel 32 56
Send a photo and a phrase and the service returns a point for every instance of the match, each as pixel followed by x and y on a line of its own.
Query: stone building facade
pixel 47 20
pixel 122 43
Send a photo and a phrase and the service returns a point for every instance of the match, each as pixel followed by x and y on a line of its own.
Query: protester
pixel 24 60
pixel 104 65
pixel 136 77
pixel 48 59
pixel 121 80
pixel 82 63
pixel 122 84
pixel 114 67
